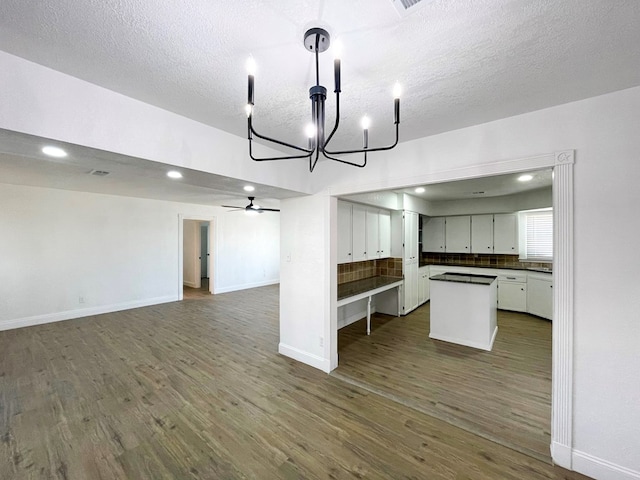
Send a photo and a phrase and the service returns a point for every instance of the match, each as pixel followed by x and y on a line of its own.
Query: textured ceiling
pixel 484 187
pixel 461 62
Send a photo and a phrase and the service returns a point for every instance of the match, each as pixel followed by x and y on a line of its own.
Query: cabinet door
pixel 373 247
pixel 411 236
pixel 423 285
pixel 540 297
pixel 359 233
pixel 384 230
pixel 458 234
pixel 505 233
pixel 344 233
pixel 433 235
pixel 512 296
pixel 481 233
pixel 410 286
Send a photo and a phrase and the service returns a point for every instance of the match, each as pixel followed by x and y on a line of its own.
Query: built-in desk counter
pixel 366 288
pixel 463 309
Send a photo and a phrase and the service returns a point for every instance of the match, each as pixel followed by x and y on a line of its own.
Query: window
pixel 536 235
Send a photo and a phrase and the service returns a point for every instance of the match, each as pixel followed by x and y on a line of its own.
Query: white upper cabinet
pixel 505 233
pixel 481 233
pixel 359 233
pixel 458 234
pixel 364 233
pixel 373 239
pixel 345 254
pixel 384 229
pixel 411 236
pixel 433 235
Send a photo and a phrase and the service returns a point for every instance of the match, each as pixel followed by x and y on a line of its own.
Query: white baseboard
pixel 82 312
pixel 601 469
pixel 305 357
pixel 466 343
pixel 244 286
pixel 190 284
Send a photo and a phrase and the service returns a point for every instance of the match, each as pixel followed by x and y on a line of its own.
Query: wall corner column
pixel 563 311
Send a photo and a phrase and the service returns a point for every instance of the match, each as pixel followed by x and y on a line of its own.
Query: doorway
pixel 196 254
pixel 562 325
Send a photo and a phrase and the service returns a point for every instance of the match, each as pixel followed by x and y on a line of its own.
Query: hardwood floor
pixel 189 293
pixel 503 395
pixel 196 390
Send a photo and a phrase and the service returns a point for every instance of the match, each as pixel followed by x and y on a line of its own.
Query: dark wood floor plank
pixel 196 390
pixel 504 394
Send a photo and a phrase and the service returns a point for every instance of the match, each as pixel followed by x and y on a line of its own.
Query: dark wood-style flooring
pixel 503 395
pixel 196 390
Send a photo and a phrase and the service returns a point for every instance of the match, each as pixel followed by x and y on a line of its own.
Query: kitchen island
pixel 464 309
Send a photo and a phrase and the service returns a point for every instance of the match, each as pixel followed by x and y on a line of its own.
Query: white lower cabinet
pixel 410 286
pixel 512 292
pixel 423 285
pixel 540 296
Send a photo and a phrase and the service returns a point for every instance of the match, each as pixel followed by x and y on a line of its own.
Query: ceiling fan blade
pixel 231 206
pixel 270 209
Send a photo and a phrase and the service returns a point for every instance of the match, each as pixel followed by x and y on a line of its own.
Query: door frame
pixel 213 274
pixel 562 163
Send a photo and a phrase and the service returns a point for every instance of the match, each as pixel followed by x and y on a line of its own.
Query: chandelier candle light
pixel 317 40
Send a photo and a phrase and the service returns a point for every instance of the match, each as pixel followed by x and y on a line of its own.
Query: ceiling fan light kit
pixel 251 208
pixel 317 40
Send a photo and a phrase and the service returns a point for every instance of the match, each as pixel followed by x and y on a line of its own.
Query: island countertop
pixel 465 278
pixel 357 287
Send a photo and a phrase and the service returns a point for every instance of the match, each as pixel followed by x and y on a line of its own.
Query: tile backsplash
pixel 479 260
pixel 392 267
pixel 349 272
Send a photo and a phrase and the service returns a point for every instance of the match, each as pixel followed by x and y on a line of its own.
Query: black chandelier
pixel 317 40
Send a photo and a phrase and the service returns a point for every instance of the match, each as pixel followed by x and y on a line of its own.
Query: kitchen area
pixel 461 328
pixel 403 242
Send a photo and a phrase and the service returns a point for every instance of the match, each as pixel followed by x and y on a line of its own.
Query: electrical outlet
pixel 80 299
pixel 321 341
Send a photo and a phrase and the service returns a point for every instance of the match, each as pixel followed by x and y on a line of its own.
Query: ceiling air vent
pixel 404 7
pixel 98 173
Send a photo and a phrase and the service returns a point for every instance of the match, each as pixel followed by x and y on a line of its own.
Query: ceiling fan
pixel 251 208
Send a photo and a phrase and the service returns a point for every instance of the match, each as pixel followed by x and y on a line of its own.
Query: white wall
pixel 114 252
pixel 307 290
pixel 246 250
pixel 604 133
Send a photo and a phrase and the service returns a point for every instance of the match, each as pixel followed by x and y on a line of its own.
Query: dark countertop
pixel 350 289
pixel 465 278
pixel 495 267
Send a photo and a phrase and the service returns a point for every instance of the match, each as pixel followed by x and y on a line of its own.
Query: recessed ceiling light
pixel 419 190
pixel 54 151
pixel 249 188
pixel 174 174
pixel 525 178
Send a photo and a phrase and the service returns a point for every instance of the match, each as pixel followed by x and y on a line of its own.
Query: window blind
pixel 539 235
